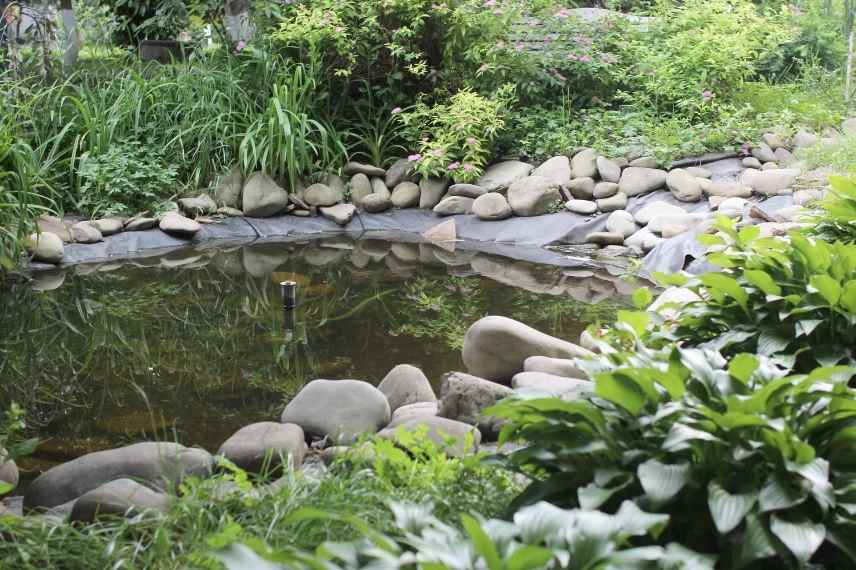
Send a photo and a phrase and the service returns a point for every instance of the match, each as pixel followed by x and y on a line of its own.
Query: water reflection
pixel 195 344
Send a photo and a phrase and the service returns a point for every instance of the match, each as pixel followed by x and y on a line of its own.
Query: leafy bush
pixel 838 220
pixel 792 300
pixel 748 461
pixel 130 177
pixel 698 53
pixel 838 155
pixel 456 139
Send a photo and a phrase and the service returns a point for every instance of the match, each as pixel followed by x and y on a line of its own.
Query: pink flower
pixel 396 111
pixel 563 13
pixel 560 77
pixel 414 158
pixel 468 167
pixel 454 166
pixel 585 58
pixel 437 152
pixel 240 45
pixel 471 141
pixel 489 3
pixel 707 95
pixel 519 47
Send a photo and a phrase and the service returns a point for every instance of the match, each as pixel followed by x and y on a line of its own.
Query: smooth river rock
pixel 637 180
pixel 201 205
pixel 559 386
pixel 154 463
pixel 45 247
pixel 253 445
pixel 354 167
pixel 556 170
pixel 621 222
pixel 492 206
pixel 454 437
pixel 454 205
pixel 340 409
pixel 376 203
pixel 408 412
pixel 771 182
pixel 684 186
pixel 498 177
pixel 341 214
pixel 399 172
pixel 322 195
pixel 566 367
pixel 431 191
pixel 85 232
pixel 405 195
pixel 177 225
pixel 122 497
pixel 609 171
pixel 464 397
pixel 495 348
pixel 657 208
pixel 533 196
pixel 467 191
pixel 584 164
pixel 404 385
pixel 361 187
pixel 262 197
pixel 582 207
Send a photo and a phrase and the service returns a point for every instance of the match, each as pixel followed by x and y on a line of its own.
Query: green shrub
pixel 793 300
pixel 456 138
pixel 748 461
pixel 129 178
pixel 838 220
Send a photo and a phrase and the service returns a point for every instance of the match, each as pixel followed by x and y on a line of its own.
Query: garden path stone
pixel 122 497
pixel 498 177
pixel 584 164
pixel 201 205
pixel 369 170
pixel 558 386
pixel 158 464
pixel 342 214
pixel 637 180
pixel 431 192
pixel 84 232
pixel 467 438
pixel 609 170
pixel 565 367
pixel 583 207
pixel 178 225
pixel 495 348
pixel 464 398
pixel 683 185
pixel 454 205
pixel 492 206
pixel 45 247
pixel 252 446
pixel 405 384
pixel 228 190
pixel 556 169
pixel 533 196
pixel 262 197
pixel 322 195
pixel 467 190
pixel 340 409
pixel 399 172
pixel 405 195
pixel 361 187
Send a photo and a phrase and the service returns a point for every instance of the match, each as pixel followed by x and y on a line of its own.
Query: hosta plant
pixel 750 461
pixel 838 220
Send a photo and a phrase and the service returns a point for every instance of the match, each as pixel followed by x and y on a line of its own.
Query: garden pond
pixel 193 345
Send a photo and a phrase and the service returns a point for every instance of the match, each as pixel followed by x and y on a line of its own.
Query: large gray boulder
pixel 609 171
pixel 84 232
pixel 376 203
pixel 566 367
pixel 340 213
pixel 464 397
pixel 491 206
pixel 262 197
pixel 322 195
pixel 228 190
pixel 340 409
pixel 498 177
pixel 584 164
pixel 559 386
pixel 404 385
pixel 265 444
pixel 621 222
pixel 467 191
pixel 399 172
pixel 121 497
pixel 582 188
pixel 495 348
pixel 405 195
pixel 533 196
pixel 454 205
pixel 408 412
pixel 556 170
pixel 684 186
pixel 431 191
pixel 361 187
pixel 177 225
pixel 45 247
pixel 159 465
pixel 725 188
pixel 771 182
pixel 636 180
pixel 656 209
pixel 454 437
pixel 202 205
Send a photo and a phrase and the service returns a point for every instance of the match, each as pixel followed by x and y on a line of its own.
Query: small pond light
pixel 289 294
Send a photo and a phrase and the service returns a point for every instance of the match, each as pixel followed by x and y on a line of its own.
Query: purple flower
pixel 489 3
pixel 240 45
pixel 454 166
pixel 437 152
pixel 707 95
pixel 468 167
pixel 585 58
pixel 414 158
pixel 471 141
pixel 563 13
pixel 396 111
pixel 560 77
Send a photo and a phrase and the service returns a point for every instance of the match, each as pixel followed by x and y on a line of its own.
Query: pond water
pixel 193 345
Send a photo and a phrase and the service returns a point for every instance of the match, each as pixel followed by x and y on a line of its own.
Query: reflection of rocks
pixel 457 258
pixel 407 252
pixel 181 258
pixel 264 444
pixel 122 497
pixel 47 280
pixel 341 409
pixel 360 259
pixel 519 274
pixel 261 260
pixel 496 347
pixel 399 267
pixel 228 261
pixel 374 248
pixel 158 464
pixel 321 256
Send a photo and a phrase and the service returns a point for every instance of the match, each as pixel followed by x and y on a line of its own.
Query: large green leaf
pixel 681 436
pixel 527 557
pixel 743 366
pixel 848 296
pixel 481 542
pixel 802 538
pixel 728 510
pixel 621 391
pixel 827 287
pixel 728 285
pixel 756 542
pixel 661 481
pixel 763 281
pixel 636 522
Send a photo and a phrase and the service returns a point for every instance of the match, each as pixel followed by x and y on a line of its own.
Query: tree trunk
pixel 239 26
pixel 71 47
